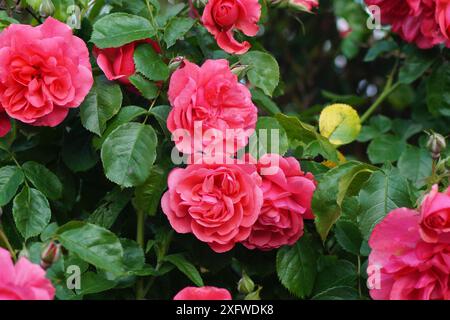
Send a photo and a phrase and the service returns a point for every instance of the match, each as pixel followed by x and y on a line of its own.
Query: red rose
pixel 414 20
pixel 443 16
pixel 218 203
pixel 222 17
pixel 118 63
pixel 44 72
pixel 288 193
pixel 203 293
pixel 435 216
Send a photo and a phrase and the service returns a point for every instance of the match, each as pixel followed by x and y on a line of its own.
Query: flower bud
pixel 175 63
pixel 50 255
pixel 239 69
pixel 436 144
pixel 304 5
pixel 246 285
pixel 46 8
pixel 254 295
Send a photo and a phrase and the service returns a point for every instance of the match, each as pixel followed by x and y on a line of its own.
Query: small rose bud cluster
pixel 436 144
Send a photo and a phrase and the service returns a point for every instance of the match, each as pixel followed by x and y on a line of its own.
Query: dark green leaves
pixel 43 179
pixel 186 267
pixel 297 267
pixel 417 62
pixel 147 88
pixel 383 192
pixel 438 91
pixel 102 103
pixel 177 28
pixel 116 29
pixel 11 178
pixel 128 154
pixel 264 72
pixel 31 212
pixel 150 64
pixel 93 244
pixel 148 196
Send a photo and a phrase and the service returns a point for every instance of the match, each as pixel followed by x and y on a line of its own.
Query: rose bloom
pixel 415 21
pixel 23 281
pixel 203 293
pixel 44 71
pixel 409 268
pixel 443 16
pixel 435 216
pixel 305 5
pixel 118 63
pixel 287 193
pixel 211 98
pixel 5 124
pixel 218 203
pixel 222 17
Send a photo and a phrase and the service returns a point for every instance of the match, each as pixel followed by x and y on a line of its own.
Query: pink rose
pixel 407 267
pixel 44 71
pixel 203 293
pixel 210 99
pixel 218 203
pixel 443 16
pixel 5 124
pixel 118 63
pixel 305 5
pixel 435 216
pixel 24 281
pixel 287 194
pixel 414 20
pixel 222 17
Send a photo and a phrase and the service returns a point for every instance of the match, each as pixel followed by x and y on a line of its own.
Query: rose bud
pixel 46 8
pixel 50 255
pixel 436 143
pixel 246 284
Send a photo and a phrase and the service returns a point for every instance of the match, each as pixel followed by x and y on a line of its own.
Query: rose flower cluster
pixel 410 257
pixel 423 22
pixel 231 201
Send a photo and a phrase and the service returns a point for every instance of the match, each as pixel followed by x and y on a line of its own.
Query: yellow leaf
pixel 340 123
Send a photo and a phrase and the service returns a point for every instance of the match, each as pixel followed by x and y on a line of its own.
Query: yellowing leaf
pixel 340 123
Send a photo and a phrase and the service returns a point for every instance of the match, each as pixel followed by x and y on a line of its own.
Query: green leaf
pixel 386 148
pixel 415 66
pixel 133 255
pixel 31 212
pixel 306 134
pixel 129 153
pixel 348 236
pixel 148 196
pixel 43 179
pixel 264 102
pixel 93 244
pixel 110 207
pixel 92 283
pixel 161 113
pixel 338 274
pixel 415 164
pixel 264 72
pixel 378 125
pixel 297 267
pixel 147 88
pixel 334 186
pixel 186 267
pixel 102 103
pixel 150 63
pixel 125 115
pixel 379 48
pixel 176 29
pixel 271 138
pixel 79 155
pixel 438 91
pixel 11 178
pixel 338 293
pixel 117 29
pixel 382 193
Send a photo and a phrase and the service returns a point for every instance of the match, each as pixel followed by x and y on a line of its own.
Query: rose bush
pixel 224 149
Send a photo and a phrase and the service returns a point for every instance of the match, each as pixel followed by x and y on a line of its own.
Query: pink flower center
pixel 226 13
